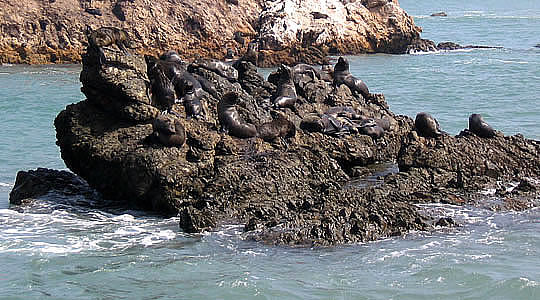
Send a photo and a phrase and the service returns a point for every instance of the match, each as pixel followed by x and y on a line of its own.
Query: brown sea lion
pixel 478 126
pixel 427 126
pixel 371 128
pixel 216 66
pixel 320 74
pixel 107 36
pixel 286 91
pixel 191 101
pixel 323 123
pixel 280 126
pixel 342 75
pixel 230 119
pixel 187 88
pixel 162 91
pixel 172 56
pixel 344 111
pixel 168 131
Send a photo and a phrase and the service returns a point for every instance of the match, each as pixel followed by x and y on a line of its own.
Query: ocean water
pixel 62 251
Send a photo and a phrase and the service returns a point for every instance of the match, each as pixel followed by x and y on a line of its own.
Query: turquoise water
pixel 53 251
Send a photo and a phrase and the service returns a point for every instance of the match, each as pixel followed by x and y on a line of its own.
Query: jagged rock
pixel 336 26
pixel 421 45
pixel 118 84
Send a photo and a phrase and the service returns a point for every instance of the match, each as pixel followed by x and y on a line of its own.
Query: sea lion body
pixel 230 119
pixel 107 36
pixel 219 67
pixel 326 73
pixel 163 94
pixel 427 126
pixel 371 128
pixel 278 127
pixel 342 75
pixel 252 52
pixel 320 74
pixel 172 56
pixel 286 91
pixel 344 111
pixel 168 131
pixel 323 123
pixel 478 126
pixel 191 101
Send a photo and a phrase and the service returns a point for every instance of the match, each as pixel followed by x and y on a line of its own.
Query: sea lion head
pixel 230 98
pixel 171 56
pixel 342 65
pixel 285 73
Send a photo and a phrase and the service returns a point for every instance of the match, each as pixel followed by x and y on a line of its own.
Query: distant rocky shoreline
pixel 283 31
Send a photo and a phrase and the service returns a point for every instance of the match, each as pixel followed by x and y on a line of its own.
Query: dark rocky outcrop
pixel 295 190
pixel 34 184
pixel 439 14
pixel 424 45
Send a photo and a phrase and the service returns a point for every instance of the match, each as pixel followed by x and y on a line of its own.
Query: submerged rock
pixel 439 14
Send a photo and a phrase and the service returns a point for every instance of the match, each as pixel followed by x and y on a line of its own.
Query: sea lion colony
pixel 172 83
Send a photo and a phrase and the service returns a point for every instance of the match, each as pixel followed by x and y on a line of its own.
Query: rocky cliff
pixel 53 31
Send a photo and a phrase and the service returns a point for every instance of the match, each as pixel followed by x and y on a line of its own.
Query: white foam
pixel 529 283
pixel 3 184
pixel 510 61
pixel 414 52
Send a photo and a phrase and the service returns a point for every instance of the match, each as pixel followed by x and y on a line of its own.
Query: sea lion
pixel 427 126
pixel 320 74
pixel 322 123
pixel 168 131
pixel 252 52
pixel 344 111
pixel 238 37
pixel 280 126
pixel 326 73
pixel 229 55
pixel 342 75
pixel 172 56
pixel 230 120
pixel 181 79
pixel 286 91
pixel 371 128
pixel 191 101
pixel 218 67
pixel 163 94
pixel 107 36
pixel 207 85
pixel 478 126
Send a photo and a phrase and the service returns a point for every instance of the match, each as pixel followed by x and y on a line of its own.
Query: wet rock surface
pixel 294 189
pixel 33 184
